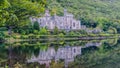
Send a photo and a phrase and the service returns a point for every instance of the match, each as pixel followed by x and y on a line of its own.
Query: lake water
pixel 61 54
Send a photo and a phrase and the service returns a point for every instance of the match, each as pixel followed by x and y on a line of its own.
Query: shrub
pixel 61 35
pixel 27 31
pixel 56 31
pixel 83 32
pixel 17 37
pixel 35 31
pixel 23 32
pixel 36 25
pixel 43 31
pixel 24 37
pixel 31 36
pixel 71 33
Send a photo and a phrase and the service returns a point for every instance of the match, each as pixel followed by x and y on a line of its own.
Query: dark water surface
pixel 61 54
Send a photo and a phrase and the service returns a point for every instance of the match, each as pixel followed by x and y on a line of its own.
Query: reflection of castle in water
pixel 65 53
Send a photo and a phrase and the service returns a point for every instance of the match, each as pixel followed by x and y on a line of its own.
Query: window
pixel 73 24
pixel 74 50
pixel 40 20
pixel 40 23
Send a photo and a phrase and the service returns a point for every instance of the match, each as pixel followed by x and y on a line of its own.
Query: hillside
pixel 93 13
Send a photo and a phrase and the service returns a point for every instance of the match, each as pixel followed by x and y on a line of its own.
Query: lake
pixel 103 53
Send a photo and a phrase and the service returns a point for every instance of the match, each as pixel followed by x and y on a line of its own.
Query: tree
pixel 56 31
pixel 16 12
pixel 43 31
pixel 3 13
pixel 36 26
pixel 61 35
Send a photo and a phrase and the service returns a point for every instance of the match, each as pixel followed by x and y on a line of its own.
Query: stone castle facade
pixel 67 53
pixel 66 22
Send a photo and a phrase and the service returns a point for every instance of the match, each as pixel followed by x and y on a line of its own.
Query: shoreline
pixel 60 38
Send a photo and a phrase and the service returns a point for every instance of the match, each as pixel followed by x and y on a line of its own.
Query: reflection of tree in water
pixel 3 56
pixel 14 58
pixel 20 53
pixel 106 56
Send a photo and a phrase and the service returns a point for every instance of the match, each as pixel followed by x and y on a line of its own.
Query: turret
pixel 65 12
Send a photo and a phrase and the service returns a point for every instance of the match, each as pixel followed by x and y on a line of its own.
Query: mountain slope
pixel 91 12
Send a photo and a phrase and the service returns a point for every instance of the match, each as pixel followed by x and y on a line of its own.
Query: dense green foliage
pixel 36 25
pixel 93 13
pixel 15 13
pixel 103 14
pixel 105 56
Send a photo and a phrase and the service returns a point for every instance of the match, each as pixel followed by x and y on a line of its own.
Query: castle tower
pixel 65 12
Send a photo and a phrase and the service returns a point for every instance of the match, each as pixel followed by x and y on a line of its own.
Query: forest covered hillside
pixel 93 13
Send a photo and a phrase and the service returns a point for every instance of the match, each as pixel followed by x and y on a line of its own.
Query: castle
pixel 66 53
pixel 65 22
